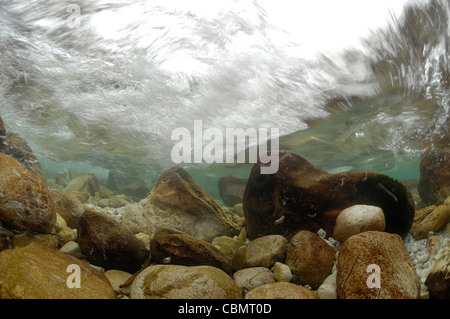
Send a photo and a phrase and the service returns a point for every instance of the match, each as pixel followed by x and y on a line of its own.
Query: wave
pixel 110 91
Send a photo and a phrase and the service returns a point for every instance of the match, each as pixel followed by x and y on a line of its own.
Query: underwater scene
pixel 224 149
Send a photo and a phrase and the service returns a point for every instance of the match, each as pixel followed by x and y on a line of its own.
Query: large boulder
pixel 183 249
pixel 231 189
pixel 376 265
pixel 105 243
pixel 181 282
pixel 40 272
pixel 26 204
pixel 434 183
pixel 177 202
pixel 301 196
pixel 17 147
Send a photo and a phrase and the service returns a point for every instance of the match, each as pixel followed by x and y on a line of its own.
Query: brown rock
pixel 359 258
pixel 434 183
pixel 438 281
pixel 181 282
pixel 105 243
pixel 69 207
pixel 265 251
pixel 310 259
pixel 184 249
pixel 86 183
pixel 26 203
pixel 24 239
pixel 357 219
pixel 301 196
pixel 178 202
pixel 281 290
pixel 17 147
pixel 39 272
pixel 430 220
pixel 231 189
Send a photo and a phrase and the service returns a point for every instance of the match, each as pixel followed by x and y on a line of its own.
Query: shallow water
pixel 108 92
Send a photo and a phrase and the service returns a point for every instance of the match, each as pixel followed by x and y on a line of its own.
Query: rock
pixel 430 222
pixel 327 289
pixel 128 185
pixel 137 219
pixel 231 189
pixel 177 202
pixel 362 255
pixel 115 202
pixel 238 258
pixel 182 282
pixel 239 210
pixel 281 290
pixel 17 147
pixel 438 281
pixel 26 203
pixel 145 239
pixel 434 183
pixel 301 196
pixel 282 272
pixel 60 222
pixel 69 207
pixel 44 274
pixel 265 251
pixel 249 278
pixel 310 259
pixel 357 219
pixel 229 246
pixel 2 134
pixel 104 242
pixel 433 245
pixel 71 248
pixel 86 183
pixel 184 249
pixel 67 234
pixel 62 179
pixel 24 239
pixel 116 278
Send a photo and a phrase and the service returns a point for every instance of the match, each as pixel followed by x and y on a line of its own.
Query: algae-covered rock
pixel 301 196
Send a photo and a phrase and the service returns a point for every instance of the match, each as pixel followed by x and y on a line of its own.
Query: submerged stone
pixel 301 196
pixel 105 243
pixel 26 204
pixel 184 249
pixel 231 189
pixel 178 202
pixel 40 272
pixel 434 183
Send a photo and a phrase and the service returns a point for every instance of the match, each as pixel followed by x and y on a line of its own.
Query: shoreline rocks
pixel 25 202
